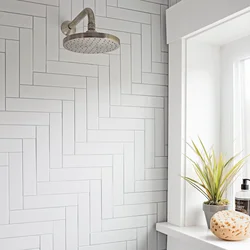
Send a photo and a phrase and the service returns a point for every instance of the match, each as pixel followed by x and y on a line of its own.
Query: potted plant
pixel 215 175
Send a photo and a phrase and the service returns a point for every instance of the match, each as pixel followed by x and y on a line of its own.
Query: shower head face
pixel 91 42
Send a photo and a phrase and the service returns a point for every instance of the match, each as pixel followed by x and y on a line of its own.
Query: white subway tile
pixel 25 8
pixel 10 145
pixel 43 154
pixel 95 206
pixel 162 212
pixel 33 105
pixel 59 235
pixel 47 242
pixel 55 140
pixel 20 21
pixel 164 57
pixel 15 131
pixel 48 201
pixel 99 148
pixel 90 4
pixel 156 174
pixel 139 155
pixel 151 185
pixel 118 186
pixel 22 243
pixel 38 92
pixel 146 48
pixel 129 168
pixel 123 36
pixel 52 33
pixel 39 44
pixel 135 210
pixel 124 223
pixel 29 167
pixel 161 162
pixel 140 6
pixel 156 34
pixel 76 6
pixel 26 56
pixel 121 124
pixel 63 187
pixel 162 241
pixel 68 127
pixel 119 25
pixel 2 81
pixel 24 118
pixel 92 103
pixel 115 79
pixel 125 69
pixel 160 68
pixel 2 46
pixel 9 32
pixel 110 136
pixel 80 115
pixel 59 80
pixel 131 245
pixel 164 46
pixel 100 59
pixel 142 101
pixel 36 215
pixel 142 238
pixel 12 68
pixel 101 8
pixel 134 16
pixel 103 91
pixel 84 219
pixel 75 69
pixel 75 174
pixel 16 181
pixel 107 237
pixel 112 2
pixel 71 228
pixel 152 239
pixel 132 112
pixel 149 90
pixel 145 197
pixel 136 58
pixel 87 161
pixel 149 143
pixel 4 196
pixel 27 229
pixel 156 79
pixel 4 159
pixel 110 246
pixel 159 133
pixel 107 193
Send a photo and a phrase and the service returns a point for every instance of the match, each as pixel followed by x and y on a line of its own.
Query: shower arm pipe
pixel 85 12
pixel 69 27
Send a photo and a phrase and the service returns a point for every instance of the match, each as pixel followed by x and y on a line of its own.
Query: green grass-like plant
pixel 215 174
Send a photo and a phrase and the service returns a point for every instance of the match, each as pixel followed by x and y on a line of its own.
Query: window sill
pixel 200 237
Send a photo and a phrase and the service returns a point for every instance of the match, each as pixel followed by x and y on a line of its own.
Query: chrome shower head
pixel 89 42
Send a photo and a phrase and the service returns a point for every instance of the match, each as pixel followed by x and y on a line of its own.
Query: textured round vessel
pixel 230 225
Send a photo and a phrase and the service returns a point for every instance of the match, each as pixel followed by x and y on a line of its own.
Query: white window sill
pixel 200 237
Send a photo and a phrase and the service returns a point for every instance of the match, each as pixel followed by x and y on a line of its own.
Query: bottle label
pixel 242 206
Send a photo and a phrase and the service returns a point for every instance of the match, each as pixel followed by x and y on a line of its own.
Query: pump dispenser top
pixel 244 185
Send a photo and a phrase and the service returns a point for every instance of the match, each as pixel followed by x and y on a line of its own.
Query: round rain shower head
pixel 91 42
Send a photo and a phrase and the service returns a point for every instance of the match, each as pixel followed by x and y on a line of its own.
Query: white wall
pixel 203 114
pixel 82 138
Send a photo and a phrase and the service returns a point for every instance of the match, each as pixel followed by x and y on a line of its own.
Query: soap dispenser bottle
pixel 242 198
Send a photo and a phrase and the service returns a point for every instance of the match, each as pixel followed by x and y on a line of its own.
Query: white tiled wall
pixel 83 160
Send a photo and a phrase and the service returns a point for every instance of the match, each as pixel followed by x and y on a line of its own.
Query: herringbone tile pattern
pixel 83 154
